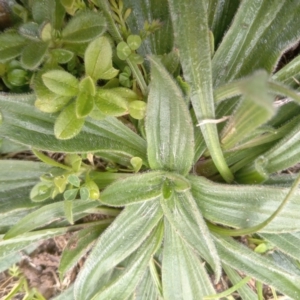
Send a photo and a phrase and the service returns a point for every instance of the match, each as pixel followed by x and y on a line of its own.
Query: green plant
pixel 192 141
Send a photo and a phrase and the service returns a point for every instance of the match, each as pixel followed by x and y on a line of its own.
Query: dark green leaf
pixel 30 30
pixel 84 26
pixel 11 46
pixel 168 124
pixel 34 54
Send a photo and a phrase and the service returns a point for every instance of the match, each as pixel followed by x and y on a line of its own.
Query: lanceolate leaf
pixel 25 124
pixel 192 37
pixel 133 225
pixel 183 274
pixel 285 242
pixel 84 26
pixel 254 41
pixel 186 220
pixel 124 284
pixel 47 214
pixel 243 206
pixel 260 267
pixel 83 241
pixel 17 177
pixel 146 288
pixel 168 124
pixel 133 189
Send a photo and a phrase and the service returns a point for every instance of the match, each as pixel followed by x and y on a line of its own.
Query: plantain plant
pixel 176 123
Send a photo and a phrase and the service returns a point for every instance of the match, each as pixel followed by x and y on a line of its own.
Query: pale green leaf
pixel 137 109
pixel 146 288
pixel 125 283
pixel 68 208
pixel 186 220
pixel 83 242
pixel 243 206
pixel 18 243
pixel 11 46
pixel 98 58
pixel 41 191
pixel 183 274
pixel 85 98
pixel 259 34
pixel 191 34
pixel 84 26
pixel 133 225
pixel 27 125
pixel 67 125
pixel 260 267
pixel 133 189
pixel 110 103
pixel 134 41
pixel 286 242
pixel 168 124
pixel 61 83
pixel 33 54
pixel 45 215
pixel 245 291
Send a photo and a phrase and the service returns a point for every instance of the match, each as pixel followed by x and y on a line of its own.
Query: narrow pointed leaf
pixel 168 124
pixel 245 291
pixel 285 242
pixel 187 221
pixel 83 241
pixel 133 189
pixel 34 54
pixel 258 36
pixel 256 107
pixel 146 288
pixel 134 224
pixel 192 36
pixel 243 206
pixel 125 283
pixel 61 83
pixel 183 274
pixel 17 178
pixel 47 214
pixel 11 46
pixel 67 125
pixel 260 267
pixel 27 125
pixel 84 26
pixel 18 243
pixel 98 58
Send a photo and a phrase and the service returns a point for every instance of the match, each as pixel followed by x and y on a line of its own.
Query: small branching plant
pixel 191 122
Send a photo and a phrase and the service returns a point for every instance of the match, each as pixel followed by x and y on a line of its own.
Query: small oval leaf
pixel 61 83
pixel 67 125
